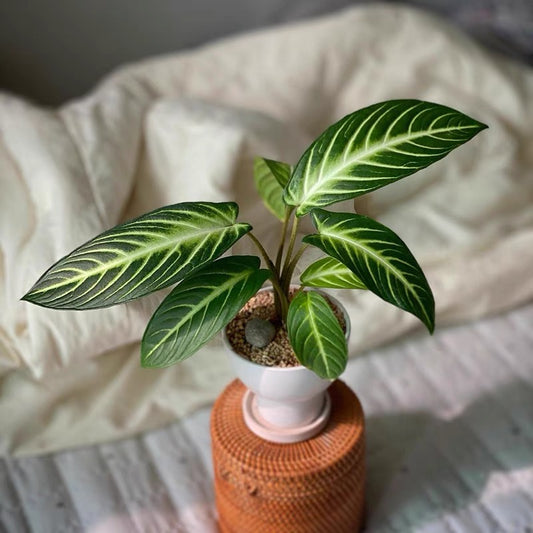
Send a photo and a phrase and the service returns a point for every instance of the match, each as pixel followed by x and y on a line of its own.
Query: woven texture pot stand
pixel 312 486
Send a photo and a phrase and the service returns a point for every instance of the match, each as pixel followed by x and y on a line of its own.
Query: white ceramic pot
pixel 283 404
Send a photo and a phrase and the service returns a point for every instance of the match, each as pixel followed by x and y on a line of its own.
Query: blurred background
pixel 55 50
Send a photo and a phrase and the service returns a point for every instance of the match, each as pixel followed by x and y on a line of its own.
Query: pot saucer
pixel 264 429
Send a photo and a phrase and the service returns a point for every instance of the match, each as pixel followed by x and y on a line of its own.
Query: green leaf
pixel 140 256
pixel 330 274
pixel 270 177
pixel 316 335
pixel 198 308
pixel 281 171
pixel 373 147
pixel 378 257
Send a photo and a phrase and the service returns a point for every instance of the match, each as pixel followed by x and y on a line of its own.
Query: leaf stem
pixel 279 256
pixel 280 298
pixel 290 268
pixel 288 256
pixel 263 252
pixel 292 241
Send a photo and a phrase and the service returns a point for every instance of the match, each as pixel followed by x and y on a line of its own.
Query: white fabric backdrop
pixel 186 127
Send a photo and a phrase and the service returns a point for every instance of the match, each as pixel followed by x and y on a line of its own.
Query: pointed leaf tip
pixel 270 178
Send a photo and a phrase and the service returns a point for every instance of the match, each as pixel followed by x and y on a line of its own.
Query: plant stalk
pixel 288 256
pixel 280 298
pixel 290 268
pixel 279 256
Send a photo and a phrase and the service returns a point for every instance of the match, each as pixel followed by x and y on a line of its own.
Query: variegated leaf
pixel 198 308
pixel 270 178
pixel 316 335
pixel 329 273
pixel 140 256
pixel 373 147
pixel 378 257
pixel 281 171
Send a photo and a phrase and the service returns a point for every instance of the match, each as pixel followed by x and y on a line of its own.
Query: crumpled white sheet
pixel 186 127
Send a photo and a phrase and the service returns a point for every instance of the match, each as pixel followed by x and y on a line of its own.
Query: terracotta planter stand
pixel 311 486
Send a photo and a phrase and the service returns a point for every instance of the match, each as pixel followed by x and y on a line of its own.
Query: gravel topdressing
pixel 279 352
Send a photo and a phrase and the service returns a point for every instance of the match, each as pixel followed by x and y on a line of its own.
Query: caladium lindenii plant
pixel 182 243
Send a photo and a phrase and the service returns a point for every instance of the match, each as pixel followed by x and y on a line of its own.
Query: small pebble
pixel 259 332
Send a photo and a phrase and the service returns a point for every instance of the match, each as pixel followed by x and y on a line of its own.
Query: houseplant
pixel 362 152
pixel 318 486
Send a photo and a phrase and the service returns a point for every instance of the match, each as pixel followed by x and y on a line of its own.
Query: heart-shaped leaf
pixel 329 273
pixel 198 308
pixel 270 178
pixel 373 147
pixel 378 257
pixel 140 256
pixel 316 335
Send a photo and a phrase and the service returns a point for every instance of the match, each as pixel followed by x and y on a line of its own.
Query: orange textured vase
pixel 313 486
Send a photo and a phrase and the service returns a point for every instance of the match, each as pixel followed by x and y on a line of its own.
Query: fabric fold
pixel 187 127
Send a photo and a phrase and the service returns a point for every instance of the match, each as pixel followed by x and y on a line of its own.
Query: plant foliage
pixel 316 335
pixel 182 243
pixel 199 307
pixel 373 147
pixel 141 256
pixel 329 273
pixel 378 257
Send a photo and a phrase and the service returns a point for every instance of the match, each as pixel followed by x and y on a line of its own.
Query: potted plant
pixel 183 243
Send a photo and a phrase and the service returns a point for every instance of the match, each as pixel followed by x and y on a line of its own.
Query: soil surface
pixel 279 352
